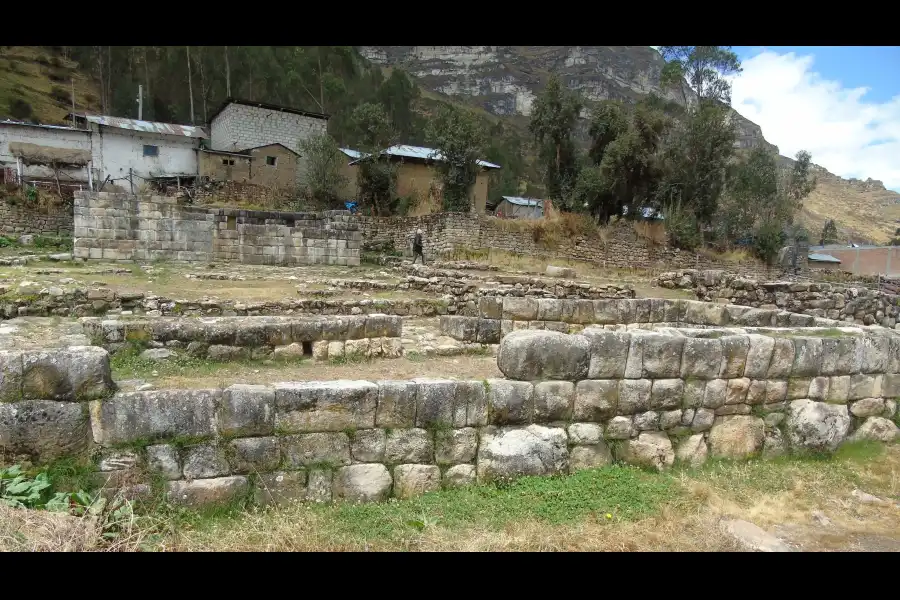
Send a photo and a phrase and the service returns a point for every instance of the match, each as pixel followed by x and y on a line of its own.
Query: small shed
pixel 514 207
pixel 823 261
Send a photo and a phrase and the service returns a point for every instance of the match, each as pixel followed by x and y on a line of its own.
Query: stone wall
pixel 227 338
pixel 622 248
pixel 568 402
pixel 19 219
pixel 122 227
pixel 496 317
pixel 848 304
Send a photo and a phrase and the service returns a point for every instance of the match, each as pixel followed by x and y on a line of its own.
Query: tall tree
pixel 190 85
pixel 829 233
pixel 227 75
pixel 705 68
pixel 553 119
pixel 456 135
pixel 397 94
pixel 376 174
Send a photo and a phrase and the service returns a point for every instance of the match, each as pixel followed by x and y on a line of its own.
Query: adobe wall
pixel 122 227
pixel 568 402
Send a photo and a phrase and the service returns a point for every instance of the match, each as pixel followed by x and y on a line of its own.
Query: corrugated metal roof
pixel 523 201
pixel 422 153
pixel 351 153
pixel 148 126
pixel 823 258
pixel 24 124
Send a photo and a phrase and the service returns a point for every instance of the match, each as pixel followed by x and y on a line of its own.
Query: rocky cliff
pixel 505 79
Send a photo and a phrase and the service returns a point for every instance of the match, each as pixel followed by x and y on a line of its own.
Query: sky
pixel 841 103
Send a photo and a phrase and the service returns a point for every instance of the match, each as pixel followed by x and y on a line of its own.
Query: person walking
pixel 417 247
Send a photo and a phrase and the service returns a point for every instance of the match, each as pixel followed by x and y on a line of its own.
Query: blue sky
pixel 841 103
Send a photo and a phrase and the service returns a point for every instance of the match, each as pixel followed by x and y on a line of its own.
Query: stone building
pixel 269 165
pixel 241 125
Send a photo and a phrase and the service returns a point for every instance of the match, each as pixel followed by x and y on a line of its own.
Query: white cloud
pixel 799 110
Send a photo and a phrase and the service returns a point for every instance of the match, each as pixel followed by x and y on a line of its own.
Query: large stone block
pixel 491 307
pixel 715 393
pixel 589 457
pixel 650 449
pixel 877 429
pixel 10 376
pixel 661 355
pixel 515 451
pixel 736 437
pixel 205 461
pixel 808 355
pixel 460 328
pixel 841 355
pixel 326 450
pixel 435 402
pixel 367 445
pixel 207 491
pixel 454 446
pixel 666 393
pixel 634 396
pixel 875 351
pixel 734 360
pixel 705 313
pixel 596 400
pixel 325 405
pixel 759 356
pixel 782 359
pixel 163 459
pixel 415 480
pixel 459 476
pixel 862 386
pixel 409 446
pixel 247 410
pixel 362 483
pixel 553 400
pixel 280 488
pixel 254 455
pixel 816 426
pixel 520 309
pixel 608 353
pixel 529 355
pixel 470 405
pixel 75 373
pixel 396 404
pixel 510 402
pixel 43 429
pixel 138 416
pixel 702 358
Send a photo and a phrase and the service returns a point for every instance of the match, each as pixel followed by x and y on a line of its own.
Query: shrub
pixel 20 109
pixel 61 94
pixel 683 228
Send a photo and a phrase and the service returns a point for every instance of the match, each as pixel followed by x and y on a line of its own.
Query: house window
pixel 228 161
pixel 271 160
pixel 151 150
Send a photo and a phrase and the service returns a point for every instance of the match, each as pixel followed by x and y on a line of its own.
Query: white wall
pixel 70 139
pixel 116 150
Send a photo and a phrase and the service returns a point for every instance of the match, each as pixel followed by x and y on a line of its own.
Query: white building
pixel 129 151
pixel 44 152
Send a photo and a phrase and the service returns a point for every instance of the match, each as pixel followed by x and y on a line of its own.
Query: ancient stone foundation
pixel 568 402
pixel 122 227
pixel 227 338
pixel 500 316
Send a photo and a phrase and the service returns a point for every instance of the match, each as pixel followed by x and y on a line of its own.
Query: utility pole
pixel 140 101
pixel 73 102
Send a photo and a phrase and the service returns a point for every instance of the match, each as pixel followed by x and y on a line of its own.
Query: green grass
pixel 127 364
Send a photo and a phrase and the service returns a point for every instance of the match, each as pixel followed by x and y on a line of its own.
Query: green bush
pixel 683 228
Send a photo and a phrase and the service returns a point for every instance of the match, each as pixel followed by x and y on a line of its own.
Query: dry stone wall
pixel 227 338
pixel 122 227
pixel 21 219
pixel 622 248
pixel 848 304
pixel 568 402
pixel 496 317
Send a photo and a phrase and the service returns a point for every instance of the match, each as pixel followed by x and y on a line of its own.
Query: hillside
pixel 36 85
pixel 498 84
pixel 504 80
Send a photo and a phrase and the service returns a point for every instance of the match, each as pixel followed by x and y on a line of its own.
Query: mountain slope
pixel 504 80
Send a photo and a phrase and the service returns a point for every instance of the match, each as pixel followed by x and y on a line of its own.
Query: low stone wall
pixel 620 248
pixel 569 402
pixel 223 338
pixel 122 227
pixel 849 304
pixel 497 317
pixel 21 219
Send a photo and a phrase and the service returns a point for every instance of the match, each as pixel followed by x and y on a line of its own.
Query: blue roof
pixel 524 201
pixel 815 257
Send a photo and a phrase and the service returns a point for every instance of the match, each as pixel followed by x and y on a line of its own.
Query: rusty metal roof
pixel 148 126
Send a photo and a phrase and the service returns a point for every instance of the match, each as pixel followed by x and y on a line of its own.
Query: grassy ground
pixel 615 508
pixel 187 372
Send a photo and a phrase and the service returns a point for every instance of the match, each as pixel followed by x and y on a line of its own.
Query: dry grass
pixel 860 215
pixel 207 374
pixel 24 530
pixel 550 231
pixel 736 256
